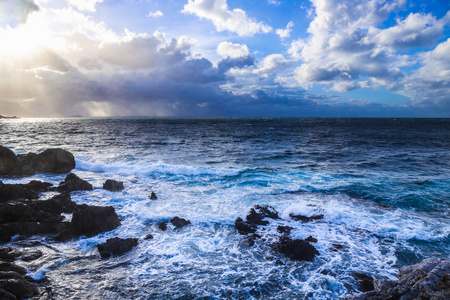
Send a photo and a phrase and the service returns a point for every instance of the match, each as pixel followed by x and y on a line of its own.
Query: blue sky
pixel 370 58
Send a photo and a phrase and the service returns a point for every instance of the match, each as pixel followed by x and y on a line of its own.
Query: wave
pixel 147 168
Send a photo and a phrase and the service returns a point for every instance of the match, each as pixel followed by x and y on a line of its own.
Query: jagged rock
pixel 148 237
pixel 113 185
pixel 73 183
pixel 365 282
pixel 259 212
pixel 295 249
pixel 284 229
pixel 29 190
pixel 179 222
pixel 116 246
pixel 311 239
pixel 20 288
pixel 162 226
pixel 4 295
pixel 306 219
pixel 429 279
pixel 92 220
pixel 153 196
pixel 244 227
pixel 9 266
pixel 8 254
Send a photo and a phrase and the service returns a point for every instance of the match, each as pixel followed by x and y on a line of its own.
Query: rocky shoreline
pixel 23 214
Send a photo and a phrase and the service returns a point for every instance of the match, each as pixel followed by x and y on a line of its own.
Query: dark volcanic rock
pixel 244 227
pixel 113 185
pixel 162 226
pixel 29 190
pixel 311 239
pixel 284 229
pixel 8 161
pixel 179 222
pixel 295 249
pixel 8 266
pixel 92 220
pixel 429 279
pixel 56 161
pixel 19 287
pixel 365 282
pixel 4 295
pixel 259 212
pixel 153 196
pixel 306 219
pixel 74 183
pixel 116 246
pixel 148 237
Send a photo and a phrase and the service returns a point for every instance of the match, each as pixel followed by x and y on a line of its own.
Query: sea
pixel 382 185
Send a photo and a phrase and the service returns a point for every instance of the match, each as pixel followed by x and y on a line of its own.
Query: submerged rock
pixel 297 249
pixel 244 227
pixel 153 196
pixel 429 279
pixel 113 185
pixel 74 183
pixel 284 229
pixel 259 212
pixel 306 219
pixel 116 246
pixel 179 222
pixel 162 226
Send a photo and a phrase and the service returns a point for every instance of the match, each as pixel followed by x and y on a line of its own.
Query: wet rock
pixel 9 266
pixel 116 246
pixel 92 220
pixel 30 256
pixel 8 161
pixel 73 183
pixel 336 247
pixel 153 196
pixel 429 279
pixel 56 161
pixel 295 249
pixel 58 204
pixel 29 190
pixel 284 229
pixel 8 254
pixel 113 185
pixel 148 237
pixel 244 227
pixel 162 226
pixel 252 238
pixel 259 212
pixel 179 222
pixel 365 282
pixel 20 288
pixel 6 295
pixel 306 219
pixel 311 239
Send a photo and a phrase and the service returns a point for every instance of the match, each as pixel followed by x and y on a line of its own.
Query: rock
pixel 116 246
pixel 306 219
pixel 92 220
pixel 4 295
pixel 252 238
pixel 8 254
pixel 179 222
pixel 113 185
pixel 29 190
pixel 58 204
pixel 365 282
pixel 153 196
pixel 259 212
pixel 429 279
pixel 336 247
pixel 56 161
pixel 284 229
pixel 244 227
pixel 148 237
pixel 311 239
pixel 8 161
pixel 30 256
pixel 162 226
pixel 8 266
pixel 73 183
pixel 20 288
pixel 295 249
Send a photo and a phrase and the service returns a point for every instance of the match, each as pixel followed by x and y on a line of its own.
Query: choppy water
pixel 383 186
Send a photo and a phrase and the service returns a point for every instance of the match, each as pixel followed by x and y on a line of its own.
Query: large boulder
pixel 297 249
pixel 8 161
pixel 429 279
pixel 29 190
pixel 74 183
pixel 179 222
pixel 92 220
pixel 56 161
pixel 116 246
pixel 19 287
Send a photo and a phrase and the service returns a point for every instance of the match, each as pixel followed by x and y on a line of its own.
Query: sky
pixel 325 58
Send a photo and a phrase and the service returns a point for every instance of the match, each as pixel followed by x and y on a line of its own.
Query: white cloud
pixel 228 49
pixel 274 2
pixel 155 14
pixel 85 5
pixel 271 64
pixel 285 33
pixel 235 20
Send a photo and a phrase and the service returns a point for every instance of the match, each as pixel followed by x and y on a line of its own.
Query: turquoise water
pixel 383 186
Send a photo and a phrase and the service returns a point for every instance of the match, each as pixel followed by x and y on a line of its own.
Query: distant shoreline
pixel 5 117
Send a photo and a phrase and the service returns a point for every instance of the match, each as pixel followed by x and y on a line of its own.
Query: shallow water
pixel 383 186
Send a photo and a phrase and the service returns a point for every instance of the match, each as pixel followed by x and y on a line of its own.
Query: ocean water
pixel 383 186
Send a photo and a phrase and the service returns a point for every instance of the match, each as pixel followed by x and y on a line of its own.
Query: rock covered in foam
pixel 116 246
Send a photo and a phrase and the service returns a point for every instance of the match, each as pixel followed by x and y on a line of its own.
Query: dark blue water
pixel 383 186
